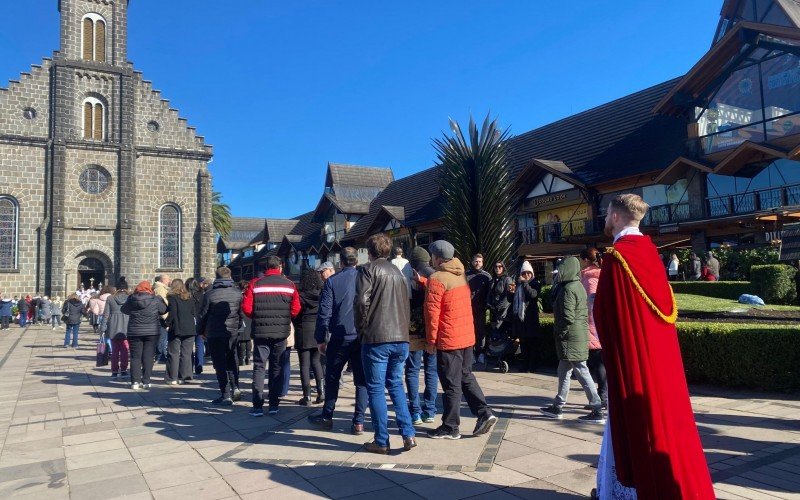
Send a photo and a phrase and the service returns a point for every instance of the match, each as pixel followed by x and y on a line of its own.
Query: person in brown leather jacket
pixel 382 314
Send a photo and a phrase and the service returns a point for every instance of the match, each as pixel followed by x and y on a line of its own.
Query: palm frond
pixel 220 214
pixel 475 183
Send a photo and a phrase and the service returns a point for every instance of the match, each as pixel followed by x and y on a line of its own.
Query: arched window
pixel 94 119
pixel 94 38
pixel 9 215
pixel 169 237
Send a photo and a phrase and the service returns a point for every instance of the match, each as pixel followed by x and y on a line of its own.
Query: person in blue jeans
pixel 73 310
pixel 337 339
pixel 383 313
pixel 423 410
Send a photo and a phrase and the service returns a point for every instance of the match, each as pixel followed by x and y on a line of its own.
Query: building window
pixel 94 119
pixel 94 180
pixel 94 38
pixel 9 213
pixel 169 237
pixel 29 113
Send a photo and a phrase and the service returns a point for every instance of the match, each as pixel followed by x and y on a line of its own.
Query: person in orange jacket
pixel 450 332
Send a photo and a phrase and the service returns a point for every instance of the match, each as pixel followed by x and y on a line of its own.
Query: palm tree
pixel 475 183
pixel 220 214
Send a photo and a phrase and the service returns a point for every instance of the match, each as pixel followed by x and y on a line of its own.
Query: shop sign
pixel 553 199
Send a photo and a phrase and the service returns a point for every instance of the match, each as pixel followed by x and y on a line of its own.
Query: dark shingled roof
pixel 616 140
pixel 278 228
pixel 417 194
pixel 357 175
pixel 245 231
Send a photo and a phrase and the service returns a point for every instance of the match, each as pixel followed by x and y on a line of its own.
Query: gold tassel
pixel 673 317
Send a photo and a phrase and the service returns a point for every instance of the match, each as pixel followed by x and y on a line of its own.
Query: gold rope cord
pixel 673 317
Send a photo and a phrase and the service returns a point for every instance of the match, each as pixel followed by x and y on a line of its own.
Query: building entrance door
pixel 91 273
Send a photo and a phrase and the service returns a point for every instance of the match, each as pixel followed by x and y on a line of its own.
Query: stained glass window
pixel 170 237
pixel 94 180
pixel 8 233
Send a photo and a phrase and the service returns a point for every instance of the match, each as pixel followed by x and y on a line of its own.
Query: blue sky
pixel 281 88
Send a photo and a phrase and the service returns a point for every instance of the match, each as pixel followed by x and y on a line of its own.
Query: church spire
pixel 94 31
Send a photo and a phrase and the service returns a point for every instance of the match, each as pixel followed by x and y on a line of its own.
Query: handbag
pixel 102 354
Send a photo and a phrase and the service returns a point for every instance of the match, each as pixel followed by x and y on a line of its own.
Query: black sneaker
pixel 552 411
pixel 304 401
pixel 596 417
pixel 257 412
pixel 223 401
pixel 484 425
pixel 321 421
pixel 441 433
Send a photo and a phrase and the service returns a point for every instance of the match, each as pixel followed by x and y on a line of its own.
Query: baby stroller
pixel 501 347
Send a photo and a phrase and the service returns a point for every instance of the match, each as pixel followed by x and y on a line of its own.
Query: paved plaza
pixel 68 431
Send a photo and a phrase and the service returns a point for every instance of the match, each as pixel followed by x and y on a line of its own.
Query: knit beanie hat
pixel 526 267
pixel 442 249
pixel 419 256
pixel 145 287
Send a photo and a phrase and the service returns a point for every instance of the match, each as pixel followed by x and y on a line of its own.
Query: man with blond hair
pixel 651 446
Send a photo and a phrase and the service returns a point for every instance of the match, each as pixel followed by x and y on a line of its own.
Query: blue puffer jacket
pixel 5 307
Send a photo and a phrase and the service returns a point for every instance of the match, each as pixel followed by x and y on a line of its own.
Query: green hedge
pixel 716 289
pixel 774 283
pixel 764 357
pixel 545 299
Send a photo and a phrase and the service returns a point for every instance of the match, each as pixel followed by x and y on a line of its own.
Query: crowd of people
pixel 388 320
pixel 695 269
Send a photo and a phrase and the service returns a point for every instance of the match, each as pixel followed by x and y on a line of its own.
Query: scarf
pixel 519 303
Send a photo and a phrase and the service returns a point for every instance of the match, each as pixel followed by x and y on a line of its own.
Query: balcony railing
pixel 753 201
pixel 553 232
pixel 666 214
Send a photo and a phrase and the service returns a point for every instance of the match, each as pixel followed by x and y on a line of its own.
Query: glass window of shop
pixel 770 187
pixel 757 103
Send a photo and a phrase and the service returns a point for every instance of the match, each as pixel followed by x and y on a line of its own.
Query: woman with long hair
pixel 144 326
pixel 305 324
pixel 590 275
pixel 181 332
pixel 196 291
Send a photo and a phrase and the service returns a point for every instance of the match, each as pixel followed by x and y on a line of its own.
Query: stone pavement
pixel 68 431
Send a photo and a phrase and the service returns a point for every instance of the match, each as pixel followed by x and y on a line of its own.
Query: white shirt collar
pixel 625 232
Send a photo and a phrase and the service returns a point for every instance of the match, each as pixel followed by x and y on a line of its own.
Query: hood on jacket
pixel 75 301
pixel 452 266
pixel 7 300
pixel 141 300
pixel 223 283
pixel 569 270
pixel 120 298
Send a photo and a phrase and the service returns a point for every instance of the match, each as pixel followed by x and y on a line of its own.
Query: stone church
pixel 99 176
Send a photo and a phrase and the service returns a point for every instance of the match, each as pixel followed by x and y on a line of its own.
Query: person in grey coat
pixel 115 328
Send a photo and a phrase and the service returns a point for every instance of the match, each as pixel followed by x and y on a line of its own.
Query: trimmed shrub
pixel 775 283
pixel 716 289
pixel 546 299
pixel 765 357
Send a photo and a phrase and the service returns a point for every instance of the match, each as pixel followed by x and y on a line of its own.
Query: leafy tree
pixel 220 214
pixel 475 184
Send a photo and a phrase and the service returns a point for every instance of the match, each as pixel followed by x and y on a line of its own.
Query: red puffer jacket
pixel 448 308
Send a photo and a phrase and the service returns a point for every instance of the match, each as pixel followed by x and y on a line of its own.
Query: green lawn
pixel 699 303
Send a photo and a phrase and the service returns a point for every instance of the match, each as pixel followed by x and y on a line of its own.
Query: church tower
pixel 115 182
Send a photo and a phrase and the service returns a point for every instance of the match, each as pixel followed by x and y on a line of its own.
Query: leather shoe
pixel 357 429
pixel 373 447
pixel 409 443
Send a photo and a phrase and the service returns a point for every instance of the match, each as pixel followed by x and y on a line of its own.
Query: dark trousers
pixel 6 320
pixel 200 354
pixel 338 354
pixel 479 319
pixel 142 358
pixel 456 377
pixel 267 350
pixel 309 359
pixel 179 357
pixel 223 356
pixel 245 352
pixel 598 371
pixel 530 348
pixel 286 372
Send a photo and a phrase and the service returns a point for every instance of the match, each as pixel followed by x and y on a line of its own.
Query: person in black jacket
pixel 479 281
pixel 197 292
pixel 181 331
pixel 22 307
pixel 382 313
pixel 525 315
pixel 73 310
pixel 304 327
pixel 499 300
pixel 271 301
pixel 144 310
pixel 245 346
pixel 220 320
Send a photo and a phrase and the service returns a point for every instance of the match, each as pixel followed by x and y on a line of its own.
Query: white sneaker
pixel 135 386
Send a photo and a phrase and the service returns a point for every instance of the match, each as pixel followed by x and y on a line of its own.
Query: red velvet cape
pixel 656 445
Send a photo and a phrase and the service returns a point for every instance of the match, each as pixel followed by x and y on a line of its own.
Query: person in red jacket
pixel 450 333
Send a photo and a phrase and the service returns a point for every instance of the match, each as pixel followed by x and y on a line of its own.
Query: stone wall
pixel 115 15
pixel 32 91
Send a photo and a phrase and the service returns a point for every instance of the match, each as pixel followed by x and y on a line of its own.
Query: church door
pixel 91 273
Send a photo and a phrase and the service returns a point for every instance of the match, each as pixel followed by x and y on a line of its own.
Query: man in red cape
pixel 656 447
